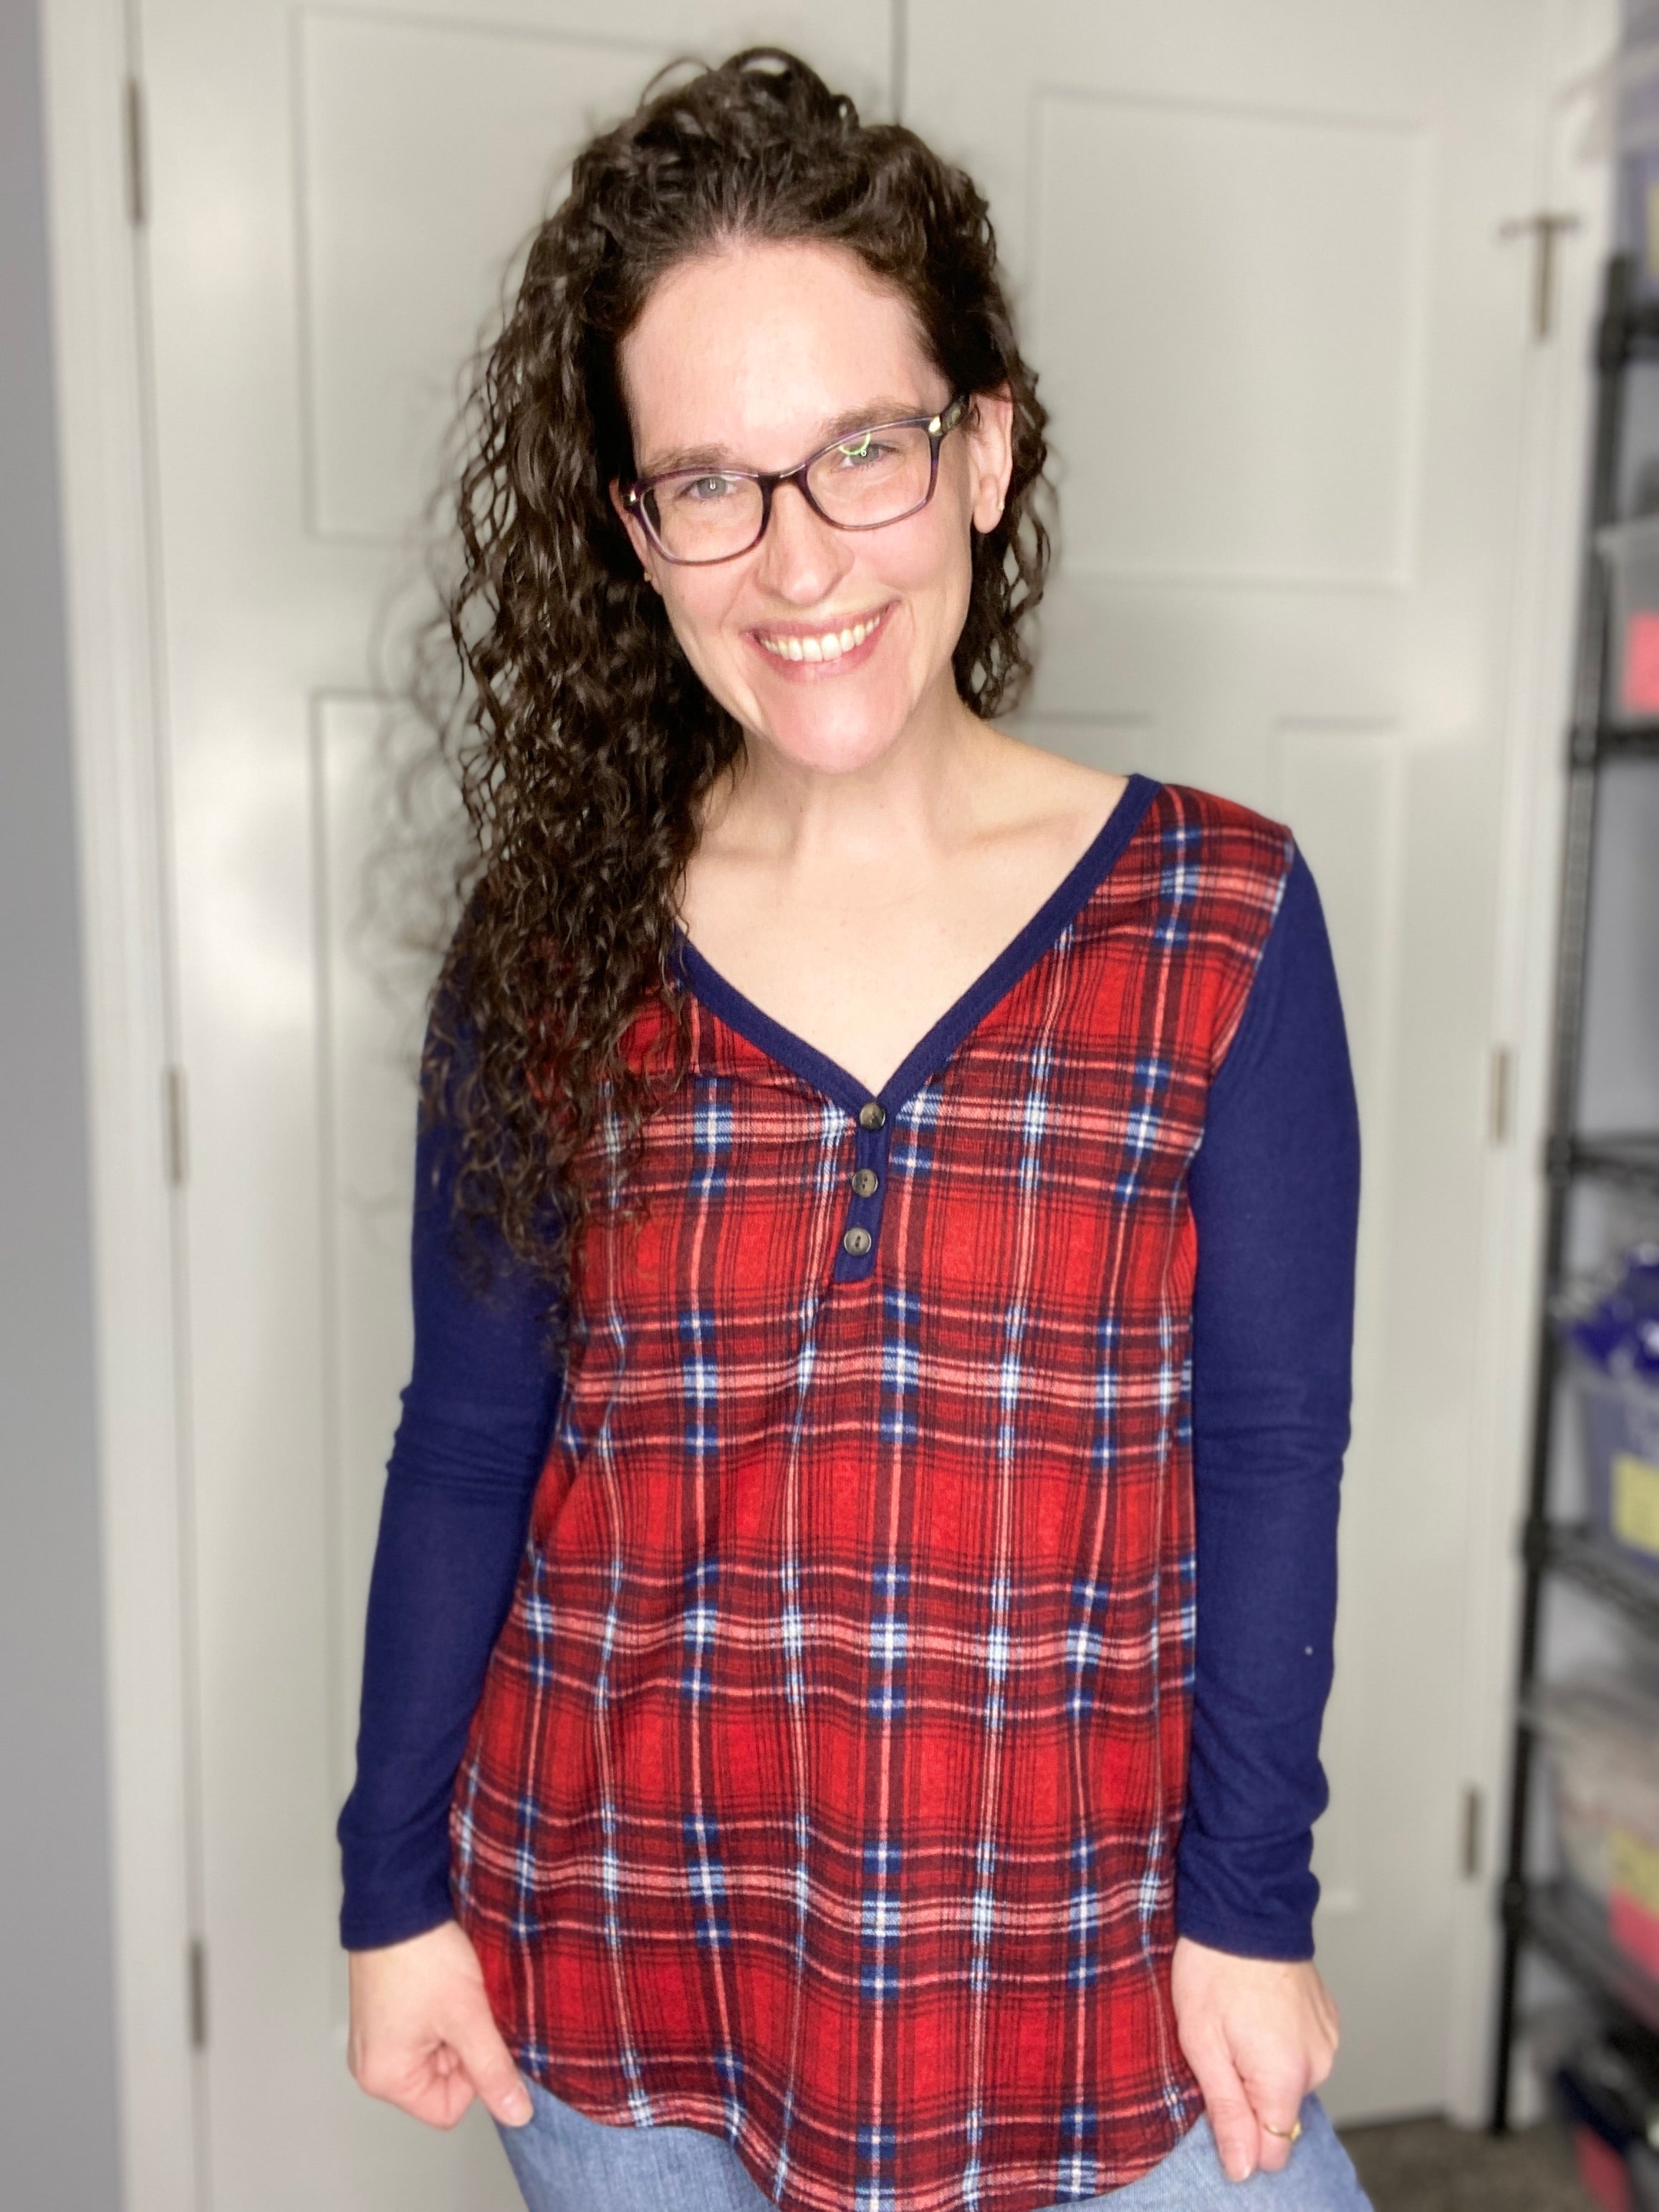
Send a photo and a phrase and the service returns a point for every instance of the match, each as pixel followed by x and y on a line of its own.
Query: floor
pixel 1427 2165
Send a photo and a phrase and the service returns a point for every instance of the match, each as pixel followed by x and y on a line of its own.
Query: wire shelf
pixel 1627 741
pixel 1581 1557
pixel 1630 1158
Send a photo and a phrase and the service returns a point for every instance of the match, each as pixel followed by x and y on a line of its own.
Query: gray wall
pixel 57 2117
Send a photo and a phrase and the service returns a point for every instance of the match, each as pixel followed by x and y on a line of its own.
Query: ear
pixel 990 436
pixel 636 538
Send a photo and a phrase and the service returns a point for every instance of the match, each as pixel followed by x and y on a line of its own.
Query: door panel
pixel 425 147
pixel 1168 248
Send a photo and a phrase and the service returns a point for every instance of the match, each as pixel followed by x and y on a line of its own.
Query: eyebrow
pixel 868 415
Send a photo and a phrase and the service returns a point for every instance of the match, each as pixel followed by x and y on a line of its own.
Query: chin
pixel 833 738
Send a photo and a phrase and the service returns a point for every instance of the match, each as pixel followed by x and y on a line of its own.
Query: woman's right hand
pixel 422 2035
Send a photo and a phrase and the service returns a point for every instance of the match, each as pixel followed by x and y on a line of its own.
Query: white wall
pixel 57 2117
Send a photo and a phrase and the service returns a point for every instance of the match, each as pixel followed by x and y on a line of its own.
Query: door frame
pixel 90 58
pixel 88 62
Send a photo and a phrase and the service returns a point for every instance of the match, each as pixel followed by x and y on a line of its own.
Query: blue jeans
pixel 566 2162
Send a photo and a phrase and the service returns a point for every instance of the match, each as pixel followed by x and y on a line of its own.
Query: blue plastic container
pixel 1613 1353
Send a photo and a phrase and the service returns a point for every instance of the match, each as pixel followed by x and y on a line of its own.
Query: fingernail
pixel 518 2108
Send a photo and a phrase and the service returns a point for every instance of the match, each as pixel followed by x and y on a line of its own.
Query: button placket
pixel 866 1189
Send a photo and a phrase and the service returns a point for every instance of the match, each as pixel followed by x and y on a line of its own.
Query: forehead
pixel 753 348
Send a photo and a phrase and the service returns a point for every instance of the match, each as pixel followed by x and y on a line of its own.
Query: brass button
pixel 873 1114
pixel 856 1242
pixel 866 1181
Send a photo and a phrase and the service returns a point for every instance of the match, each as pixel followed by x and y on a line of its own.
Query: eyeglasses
pixel 864 482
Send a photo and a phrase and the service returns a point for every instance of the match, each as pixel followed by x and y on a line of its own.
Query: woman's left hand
pixel 1259 2033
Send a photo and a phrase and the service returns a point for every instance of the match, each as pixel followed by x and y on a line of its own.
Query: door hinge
pixel 197 1974
pixel 137 165
pixel 1500 1095
pixel 175 1125
pixel 1546 229
pixel 1474 1822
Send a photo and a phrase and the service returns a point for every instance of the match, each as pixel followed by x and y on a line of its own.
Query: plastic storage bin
pixel 1612 1345
pixel 1635 86
pixel 1631 550
pixel 1600 1737
pixel 1620 1415
pixel 1606 2091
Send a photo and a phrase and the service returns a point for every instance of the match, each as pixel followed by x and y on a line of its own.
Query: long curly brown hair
pixel 582 741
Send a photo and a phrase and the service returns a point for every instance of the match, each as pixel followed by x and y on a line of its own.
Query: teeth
pixel 830 646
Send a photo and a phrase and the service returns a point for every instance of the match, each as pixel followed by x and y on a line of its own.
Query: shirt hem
pixel 998 2189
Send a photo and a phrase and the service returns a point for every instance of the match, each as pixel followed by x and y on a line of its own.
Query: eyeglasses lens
pixel 873 478
pixel 865 480
pixel 704 517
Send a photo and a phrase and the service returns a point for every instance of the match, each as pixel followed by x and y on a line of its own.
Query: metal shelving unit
pixel 1542 1914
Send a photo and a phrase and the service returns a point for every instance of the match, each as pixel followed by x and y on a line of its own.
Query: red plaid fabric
pixel 826 1782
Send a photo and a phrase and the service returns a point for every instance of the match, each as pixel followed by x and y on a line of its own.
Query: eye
pixel 862 450
pixel 705 491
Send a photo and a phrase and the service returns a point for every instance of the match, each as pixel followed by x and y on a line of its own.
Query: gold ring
pixel 1292 2134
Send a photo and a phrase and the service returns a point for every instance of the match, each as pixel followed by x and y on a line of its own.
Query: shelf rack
pixel 1542 1914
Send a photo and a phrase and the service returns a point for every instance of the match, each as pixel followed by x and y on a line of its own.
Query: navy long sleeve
pixel 477 1416
pixel 1273 1192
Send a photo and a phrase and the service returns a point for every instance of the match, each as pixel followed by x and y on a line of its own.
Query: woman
pixel 941 1160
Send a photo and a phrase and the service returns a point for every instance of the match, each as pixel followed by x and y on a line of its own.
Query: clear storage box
pixel 1600 1737
pixel 1631 550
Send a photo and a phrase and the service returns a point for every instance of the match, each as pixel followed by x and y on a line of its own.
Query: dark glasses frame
pixel 938 427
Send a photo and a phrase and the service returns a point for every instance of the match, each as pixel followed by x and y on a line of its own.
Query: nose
pixel 802 557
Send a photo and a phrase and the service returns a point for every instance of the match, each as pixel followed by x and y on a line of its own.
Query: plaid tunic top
pixel 827 1781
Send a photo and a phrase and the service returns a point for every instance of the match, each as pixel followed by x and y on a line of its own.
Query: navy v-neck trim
pixel 1037 937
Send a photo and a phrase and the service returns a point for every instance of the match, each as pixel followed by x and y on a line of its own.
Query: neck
pixel 917 794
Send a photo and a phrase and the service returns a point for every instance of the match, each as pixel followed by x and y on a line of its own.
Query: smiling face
pixel 829 645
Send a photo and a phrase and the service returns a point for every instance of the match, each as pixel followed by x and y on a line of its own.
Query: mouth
pixel 797 647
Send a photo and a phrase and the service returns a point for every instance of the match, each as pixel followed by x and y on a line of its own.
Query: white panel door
pixel 336 193
pixel 1258 255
